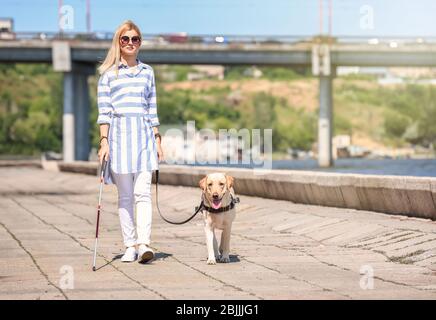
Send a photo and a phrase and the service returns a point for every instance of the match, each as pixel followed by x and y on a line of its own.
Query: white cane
pixel 103 168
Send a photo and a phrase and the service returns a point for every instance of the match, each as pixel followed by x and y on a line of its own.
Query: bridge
pixel 77 57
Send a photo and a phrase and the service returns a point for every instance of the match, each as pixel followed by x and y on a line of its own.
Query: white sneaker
pixel 129 255
pixel 145 254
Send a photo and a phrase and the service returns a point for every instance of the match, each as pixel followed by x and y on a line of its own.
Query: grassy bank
pixel 282 99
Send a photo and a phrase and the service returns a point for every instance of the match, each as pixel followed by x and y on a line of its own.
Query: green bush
pixel 342 125
pixel 31 113
pixel 395 124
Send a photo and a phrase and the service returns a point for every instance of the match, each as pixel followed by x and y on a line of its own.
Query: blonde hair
pixel 114 54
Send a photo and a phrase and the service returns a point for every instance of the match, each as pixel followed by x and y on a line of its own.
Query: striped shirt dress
pixel 127 103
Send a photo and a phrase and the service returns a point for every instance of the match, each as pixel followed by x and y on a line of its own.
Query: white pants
pixel 134 189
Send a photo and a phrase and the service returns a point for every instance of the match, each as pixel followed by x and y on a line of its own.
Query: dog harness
pixel 197 208
pixel 222 209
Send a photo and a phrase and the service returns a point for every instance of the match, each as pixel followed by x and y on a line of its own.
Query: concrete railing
pixel 404 195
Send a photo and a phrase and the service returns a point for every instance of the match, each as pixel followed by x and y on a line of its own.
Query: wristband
pixel 157 135
pixel 102 139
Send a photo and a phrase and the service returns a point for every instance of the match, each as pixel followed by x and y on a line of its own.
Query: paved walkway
pixel 280 250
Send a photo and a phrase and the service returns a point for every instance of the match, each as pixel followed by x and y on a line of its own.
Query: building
pixel 202 147
pixel 7 28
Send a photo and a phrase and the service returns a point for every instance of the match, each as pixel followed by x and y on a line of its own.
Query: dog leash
pixel 197 209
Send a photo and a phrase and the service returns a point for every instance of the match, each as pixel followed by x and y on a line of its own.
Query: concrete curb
pixel 21 163
pixel 403 195
pixel 84 167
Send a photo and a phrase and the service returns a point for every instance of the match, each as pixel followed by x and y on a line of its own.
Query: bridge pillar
pixel 321 67
pixel 68 138
pixel 75 121
pixel 76 113
pixel 325 121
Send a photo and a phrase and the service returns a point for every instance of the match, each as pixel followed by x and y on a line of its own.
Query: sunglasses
pixel 126 39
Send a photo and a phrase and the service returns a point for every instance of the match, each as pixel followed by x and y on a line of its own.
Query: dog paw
pixel 211 261
pixel 224 259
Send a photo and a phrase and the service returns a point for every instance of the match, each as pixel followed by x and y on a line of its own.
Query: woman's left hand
pixel 160 154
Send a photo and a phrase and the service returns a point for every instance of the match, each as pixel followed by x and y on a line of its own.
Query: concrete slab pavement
pixel 280 250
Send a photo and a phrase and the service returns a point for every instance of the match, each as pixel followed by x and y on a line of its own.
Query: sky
pixel 232 17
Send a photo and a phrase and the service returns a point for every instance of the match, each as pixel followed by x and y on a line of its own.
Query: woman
pixel 129 136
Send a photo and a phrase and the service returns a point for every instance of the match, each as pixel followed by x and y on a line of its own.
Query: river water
pixel 404 167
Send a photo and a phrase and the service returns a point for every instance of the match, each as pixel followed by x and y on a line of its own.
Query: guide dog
pixel 218 198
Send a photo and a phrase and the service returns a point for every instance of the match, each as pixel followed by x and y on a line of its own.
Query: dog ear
pixel 229 181
pixel 202 183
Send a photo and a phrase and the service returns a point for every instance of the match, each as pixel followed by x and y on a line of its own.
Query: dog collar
pixel 222 209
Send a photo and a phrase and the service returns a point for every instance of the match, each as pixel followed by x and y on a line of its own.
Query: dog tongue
pixel 216 204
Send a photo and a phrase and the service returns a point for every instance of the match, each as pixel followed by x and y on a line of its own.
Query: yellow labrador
pixel 219 212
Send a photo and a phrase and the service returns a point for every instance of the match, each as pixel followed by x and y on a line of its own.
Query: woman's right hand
pixel 103 152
